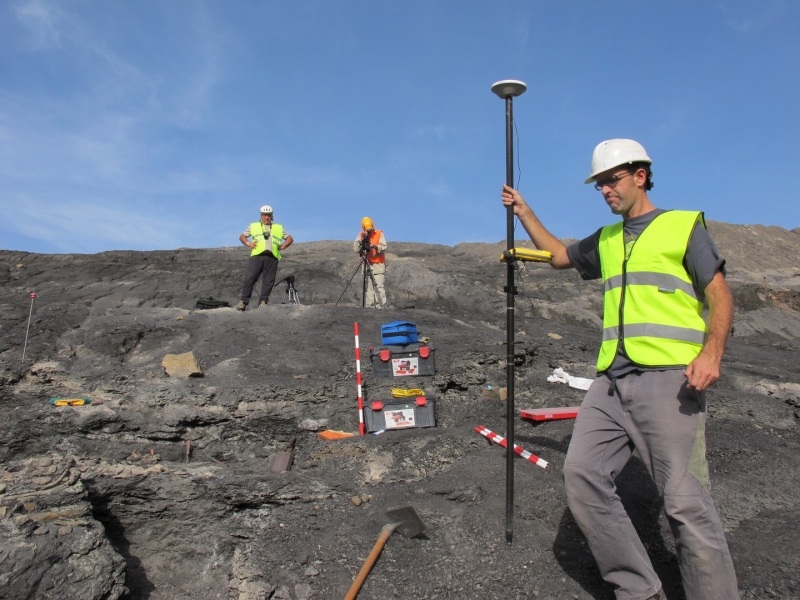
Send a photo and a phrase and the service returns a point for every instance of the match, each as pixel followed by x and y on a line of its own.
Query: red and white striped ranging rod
pixel 498 439
pixel 361 428
pixel 27 330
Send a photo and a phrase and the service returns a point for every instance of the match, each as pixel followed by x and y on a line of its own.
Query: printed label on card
pixel 405 366
pixel 397 419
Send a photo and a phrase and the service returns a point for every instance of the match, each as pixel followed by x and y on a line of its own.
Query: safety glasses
pixel 610 181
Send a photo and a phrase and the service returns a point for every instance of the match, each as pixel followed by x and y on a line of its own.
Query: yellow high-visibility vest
pixel 260 233
pixel 649 303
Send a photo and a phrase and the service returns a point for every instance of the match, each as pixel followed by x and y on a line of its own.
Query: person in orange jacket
pixel 371 243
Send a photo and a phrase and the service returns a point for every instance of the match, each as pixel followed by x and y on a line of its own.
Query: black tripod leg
pixel 348 282
pixel 364 285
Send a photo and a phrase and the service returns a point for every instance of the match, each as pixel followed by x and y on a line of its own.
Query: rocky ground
pixel 161 488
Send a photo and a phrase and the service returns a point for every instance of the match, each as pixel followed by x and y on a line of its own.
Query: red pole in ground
pixel 361 428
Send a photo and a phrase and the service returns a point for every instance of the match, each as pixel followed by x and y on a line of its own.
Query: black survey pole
pixel 507 90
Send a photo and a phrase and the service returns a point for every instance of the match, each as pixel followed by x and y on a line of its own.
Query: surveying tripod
pixel 365 265
pixel 290 293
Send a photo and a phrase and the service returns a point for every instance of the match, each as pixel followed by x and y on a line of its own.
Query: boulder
pixel 181 365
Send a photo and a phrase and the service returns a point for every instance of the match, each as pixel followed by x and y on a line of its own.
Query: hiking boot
pixel 242 305
pixel 262 303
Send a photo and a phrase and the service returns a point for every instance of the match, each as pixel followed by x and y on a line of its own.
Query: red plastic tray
pixel 549 414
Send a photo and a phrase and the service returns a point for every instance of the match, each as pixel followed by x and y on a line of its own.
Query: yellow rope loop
pixel 401 393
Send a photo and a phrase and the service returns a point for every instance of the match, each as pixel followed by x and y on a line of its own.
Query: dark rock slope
pixel 161 487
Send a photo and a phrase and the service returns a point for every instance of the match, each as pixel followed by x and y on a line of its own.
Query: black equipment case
pixel 209 303
pixel 403 361
pixel 396 414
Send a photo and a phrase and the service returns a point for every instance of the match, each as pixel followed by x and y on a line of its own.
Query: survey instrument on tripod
pixel 290 293
pixel 366 268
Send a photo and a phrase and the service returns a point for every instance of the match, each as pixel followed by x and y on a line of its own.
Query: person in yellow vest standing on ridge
pixel 372 243
pixel 266 241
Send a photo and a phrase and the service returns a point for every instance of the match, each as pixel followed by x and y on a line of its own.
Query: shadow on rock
pixel 139 586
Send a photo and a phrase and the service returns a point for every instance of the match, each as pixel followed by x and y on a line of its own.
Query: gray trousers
pixel 263 265
pixel 657 414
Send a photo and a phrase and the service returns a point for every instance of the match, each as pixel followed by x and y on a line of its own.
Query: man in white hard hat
pixel 266 240
pixel 371 245
pixel 657 358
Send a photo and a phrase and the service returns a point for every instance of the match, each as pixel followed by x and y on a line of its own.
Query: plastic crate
pixel 399 333
pixel 389 415
pixel 403 361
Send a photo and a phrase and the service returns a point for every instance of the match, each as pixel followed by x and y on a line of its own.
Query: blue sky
pixel 162 124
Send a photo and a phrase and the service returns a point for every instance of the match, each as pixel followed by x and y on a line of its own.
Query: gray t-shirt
pixel 702 262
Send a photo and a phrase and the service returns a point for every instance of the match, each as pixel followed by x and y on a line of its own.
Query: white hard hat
pixel 613 153
pixel 266 209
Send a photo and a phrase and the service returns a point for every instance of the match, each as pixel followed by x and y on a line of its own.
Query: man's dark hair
pixel 633 167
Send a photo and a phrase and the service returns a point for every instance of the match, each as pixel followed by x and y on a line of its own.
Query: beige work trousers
pixel 378 273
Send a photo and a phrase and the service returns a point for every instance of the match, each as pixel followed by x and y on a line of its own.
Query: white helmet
pixel 266 209
pixel 613 153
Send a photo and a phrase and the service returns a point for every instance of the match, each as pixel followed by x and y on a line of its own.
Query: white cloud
pixel 749 17
pixel 439 131
pixel 86 225
pixel 39 18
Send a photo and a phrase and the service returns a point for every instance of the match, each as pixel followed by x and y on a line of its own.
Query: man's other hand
pixel 702 372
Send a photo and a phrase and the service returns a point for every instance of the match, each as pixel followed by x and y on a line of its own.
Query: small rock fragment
pixel 313 424
pixel 554 336
pixel 356 500
pixel 65 530
pixel 365 497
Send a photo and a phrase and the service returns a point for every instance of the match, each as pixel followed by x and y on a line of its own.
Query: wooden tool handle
pixel 373 556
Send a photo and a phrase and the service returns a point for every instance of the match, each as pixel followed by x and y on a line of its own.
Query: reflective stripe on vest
pixel 661 316
pixel 260 233
pixel 374 239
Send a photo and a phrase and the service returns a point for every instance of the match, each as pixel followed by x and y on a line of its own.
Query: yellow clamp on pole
pixel 526 255
pixel 401 393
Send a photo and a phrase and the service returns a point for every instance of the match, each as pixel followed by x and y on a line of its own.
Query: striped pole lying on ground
pixel 498 439
pixel 361 428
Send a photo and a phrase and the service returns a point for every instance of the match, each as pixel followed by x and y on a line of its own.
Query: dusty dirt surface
pixel 161 488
